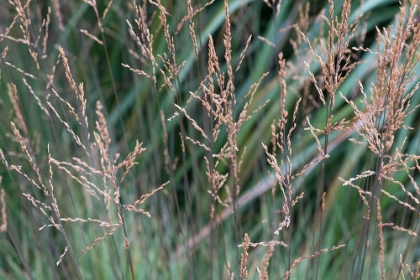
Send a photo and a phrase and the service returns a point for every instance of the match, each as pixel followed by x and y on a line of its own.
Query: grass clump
pixel 155 140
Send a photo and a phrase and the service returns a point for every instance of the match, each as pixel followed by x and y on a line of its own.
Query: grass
pixel 209 140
